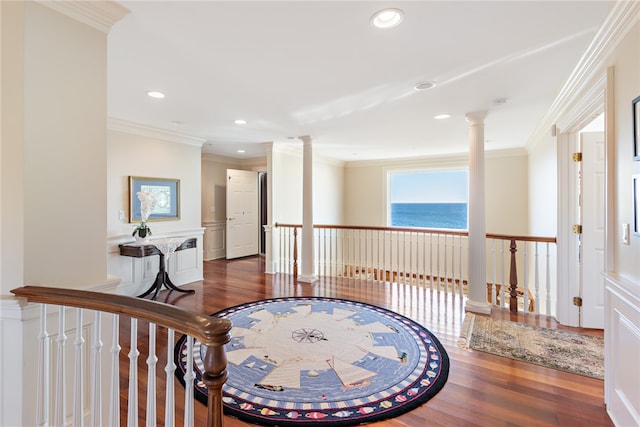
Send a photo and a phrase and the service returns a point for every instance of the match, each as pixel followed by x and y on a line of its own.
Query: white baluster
pixel 526 278
pixel 114 383
pixel 188 385
pixel 446 263
pixel 132 413
pixel 78 374
pixel 169 404
pixel 412 251
pixel 502 280
pixel 96 383
pixel 460 265
pixel 152 360
pixel 536 283
pixel 384 256
pixel 438 261
pixel 44 366
pixel 548 313
pixel 61 389
pixel 494 263
pixel 398 256
pixel 431 261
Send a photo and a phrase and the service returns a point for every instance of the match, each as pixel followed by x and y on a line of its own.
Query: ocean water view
pixel 429 215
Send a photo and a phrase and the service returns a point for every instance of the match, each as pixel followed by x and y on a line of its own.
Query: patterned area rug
pixel 322 361
pixel 557 349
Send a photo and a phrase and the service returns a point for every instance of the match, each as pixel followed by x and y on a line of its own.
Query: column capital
pixel 305 138
pixel 477 117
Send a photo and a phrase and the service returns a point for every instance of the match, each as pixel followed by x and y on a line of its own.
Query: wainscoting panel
pixel 214 240
pixel 622 351
pixel 138 274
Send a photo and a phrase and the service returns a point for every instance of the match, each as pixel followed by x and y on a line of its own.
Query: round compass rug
pixel 322 361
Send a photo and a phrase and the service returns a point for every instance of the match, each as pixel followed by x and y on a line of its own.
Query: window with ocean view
pixel 433 199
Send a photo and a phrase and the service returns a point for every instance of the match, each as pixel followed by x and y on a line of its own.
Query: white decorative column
pixel 477 296
pixel 307 275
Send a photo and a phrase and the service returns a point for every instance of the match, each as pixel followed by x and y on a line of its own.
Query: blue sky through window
pixel 428 187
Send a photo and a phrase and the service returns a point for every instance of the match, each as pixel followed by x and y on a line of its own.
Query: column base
pixel 480 307
pixel 307 278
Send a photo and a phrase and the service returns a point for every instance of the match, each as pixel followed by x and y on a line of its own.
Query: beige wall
pixel 63 156
pixel 328 184
pixel 214 186
pixel 11 147
pixel 626 63
pixel 136 155
pixel 542 191
pixel 505 180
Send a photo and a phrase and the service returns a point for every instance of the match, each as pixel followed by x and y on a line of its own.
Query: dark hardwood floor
pixel 482 389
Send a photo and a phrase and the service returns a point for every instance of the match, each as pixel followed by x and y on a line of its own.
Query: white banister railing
pixel 429 258
pixel 90 309
pixel 132 414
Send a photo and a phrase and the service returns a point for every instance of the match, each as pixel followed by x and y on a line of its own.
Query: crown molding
pixel 621 19
pixel 153 132
pixel 101 14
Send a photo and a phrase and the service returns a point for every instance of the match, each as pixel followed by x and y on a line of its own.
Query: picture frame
pixel 636 204
pixel 636 128
pixel 167 192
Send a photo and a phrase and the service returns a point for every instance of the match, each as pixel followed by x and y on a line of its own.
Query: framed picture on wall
pixel 636 128
pixel 636 205
pixel 166 193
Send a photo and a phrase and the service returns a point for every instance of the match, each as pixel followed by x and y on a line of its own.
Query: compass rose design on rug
pixel 329 361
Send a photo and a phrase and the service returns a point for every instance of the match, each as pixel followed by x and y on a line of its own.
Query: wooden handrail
pixel 213 332
pixel 542 239
pixel 209 330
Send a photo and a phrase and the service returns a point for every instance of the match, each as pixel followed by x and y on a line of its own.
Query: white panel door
pixel 242 213
pixel 593 225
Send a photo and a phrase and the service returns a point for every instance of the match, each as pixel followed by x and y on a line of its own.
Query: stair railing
pixel 92 401
pixel 431 258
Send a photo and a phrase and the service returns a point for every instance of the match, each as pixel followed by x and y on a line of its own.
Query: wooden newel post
pixel 215 375
pixel 295 253
pixel 513 279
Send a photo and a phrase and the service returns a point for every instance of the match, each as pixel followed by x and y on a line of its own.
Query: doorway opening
pixel 262 195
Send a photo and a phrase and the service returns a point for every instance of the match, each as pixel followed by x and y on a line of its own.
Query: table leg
pixel 157 284
pixel 162 278
pixel 169 284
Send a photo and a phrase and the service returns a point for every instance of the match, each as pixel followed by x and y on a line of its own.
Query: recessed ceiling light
pixel 424 85
pixel 387 18
pixel 155 94
pixel 442 116
pixel 240 151
pixel 240 122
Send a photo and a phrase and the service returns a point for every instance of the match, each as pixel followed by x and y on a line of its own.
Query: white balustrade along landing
pixel 520 269
pixel 89 321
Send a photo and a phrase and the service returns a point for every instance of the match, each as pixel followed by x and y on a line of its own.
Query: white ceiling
pixel 319 68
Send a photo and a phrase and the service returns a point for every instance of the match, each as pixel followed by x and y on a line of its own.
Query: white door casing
pixel 242 213
pixel 592 282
